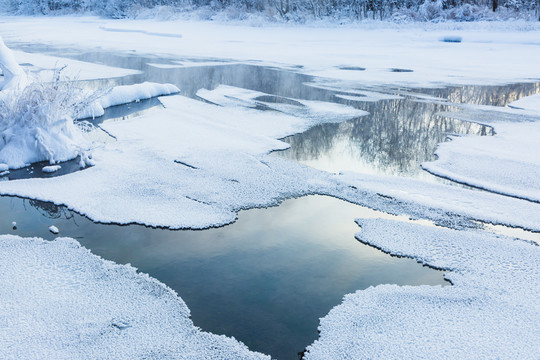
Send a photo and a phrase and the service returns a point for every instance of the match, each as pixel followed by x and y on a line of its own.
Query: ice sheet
pixel 490 312
pixel 61 302
pixel 506 163
pixel 190 164
pixel 411 193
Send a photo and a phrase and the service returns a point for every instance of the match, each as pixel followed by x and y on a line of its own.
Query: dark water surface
pixel 268 278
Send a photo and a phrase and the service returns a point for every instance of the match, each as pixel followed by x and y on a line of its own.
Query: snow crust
pixel 42 67
pixel 124 94
pixel 527 103
pixel 191 164
pixel 474 204
pixel 61 302
pixel 14 76
pixel 318 111
pixel 490 312
pixel 51 168
pixel 506 163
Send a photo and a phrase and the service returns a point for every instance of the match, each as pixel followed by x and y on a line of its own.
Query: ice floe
pixel 51 168
pixel 506 163
pixel 425 199
pixel 124 94
pixel 489 312
pixel 192 164
pixel 527 103
pixel 61 302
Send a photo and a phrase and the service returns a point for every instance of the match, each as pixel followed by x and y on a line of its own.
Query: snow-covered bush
pixel 36 123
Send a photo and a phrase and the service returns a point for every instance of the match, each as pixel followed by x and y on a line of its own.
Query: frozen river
pixel 269 277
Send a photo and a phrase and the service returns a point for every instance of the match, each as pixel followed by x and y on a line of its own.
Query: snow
pixel 489 312
pixel 14 75
pixel 51 168
pixel 36 125
pixel 124 94
pixel 54 229
pixel 319 111
pixel 74 305
pixel 42 67
pixel 36 120
pixel 527 103
pixel 506 163
pixel 493 52
pixel 194 165
pixel 190 164
pixel 447 198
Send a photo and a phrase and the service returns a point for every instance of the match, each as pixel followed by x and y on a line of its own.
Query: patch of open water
pixel 267 278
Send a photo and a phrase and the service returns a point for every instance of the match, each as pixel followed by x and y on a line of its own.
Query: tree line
pixel 295 10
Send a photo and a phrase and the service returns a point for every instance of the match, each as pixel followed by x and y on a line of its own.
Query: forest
pixel 298 11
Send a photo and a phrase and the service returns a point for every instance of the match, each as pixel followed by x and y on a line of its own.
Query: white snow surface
pixel 42 67
pixel 527 103
pixel 457 200
pixel 490 312
pixel 124 94
pixel 498 52
pixel 191 164
pixel 51 168
pixel 54 229
pixel 318 111
pixel 506 163
pixel 14 76
pixel 61 302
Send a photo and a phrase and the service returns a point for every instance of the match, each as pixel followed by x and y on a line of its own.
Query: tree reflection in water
pixel 393 139
pixel 50 210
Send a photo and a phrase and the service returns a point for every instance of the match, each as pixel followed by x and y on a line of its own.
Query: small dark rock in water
pixel 400 70
pixel 452 39
pixel 355 68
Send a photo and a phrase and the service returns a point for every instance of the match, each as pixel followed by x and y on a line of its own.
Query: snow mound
pixel 51 168
pixel 125 94
pixel 59 301
pixel 490 312
pixel 36 124
pixel 14 76
pixel 54 229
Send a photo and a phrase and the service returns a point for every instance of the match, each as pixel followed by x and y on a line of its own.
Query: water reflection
pixel 265 280
pixel 393 139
